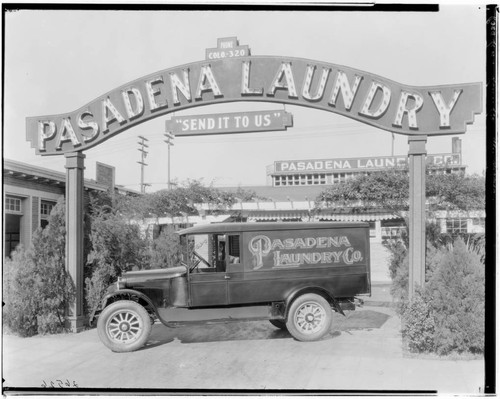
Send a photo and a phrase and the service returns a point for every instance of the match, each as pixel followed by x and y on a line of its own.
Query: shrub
pixel 398 250
pixel 38 286
pixel 418 325
pixel 399 286
pixel 451 305
pixel 19 312
pixel 456 291
pixel 165 250
pixel 116 246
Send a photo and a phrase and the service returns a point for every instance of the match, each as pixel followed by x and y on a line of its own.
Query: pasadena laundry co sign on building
pixel 229 73
pixel 356 164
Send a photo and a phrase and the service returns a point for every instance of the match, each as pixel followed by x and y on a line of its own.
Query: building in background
pixel 293 187
pixel 30 193
pixel 313 172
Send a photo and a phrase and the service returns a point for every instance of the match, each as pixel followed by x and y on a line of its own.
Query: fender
pixel 311 290
pixel 126 293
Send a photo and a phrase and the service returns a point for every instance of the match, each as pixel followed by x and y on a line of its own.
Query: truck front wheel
pixel 309 317
pixel 124 326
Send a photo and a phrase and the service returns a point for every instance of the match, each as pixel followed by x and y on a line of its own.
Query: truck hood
pixel 142 276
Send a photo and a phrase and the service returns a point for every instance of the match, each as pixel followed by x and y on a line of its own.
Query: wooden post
pixel 74 235
pixel 417 153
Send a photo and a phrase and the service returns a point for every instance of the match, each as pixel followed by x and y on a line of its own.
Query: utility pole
pixel 144 154
pixel 170 141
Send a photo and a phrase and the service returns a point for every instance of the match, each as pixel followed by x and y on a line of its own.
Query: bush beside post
pixel 447 315
pixel 38 288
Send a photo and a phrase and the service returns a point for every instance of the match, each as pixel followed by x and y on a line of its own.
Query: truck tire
pixel 124 326
pixel 309 317
pixel 281 324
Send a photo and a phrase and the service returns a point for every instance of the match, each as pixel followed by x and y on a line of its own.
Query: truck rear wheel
pixel 309 317
pixel 124 326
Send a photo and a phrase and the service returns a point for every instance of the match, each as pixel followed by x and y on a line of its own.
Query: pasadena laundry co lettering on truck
pixel 294 252
pixel 293 274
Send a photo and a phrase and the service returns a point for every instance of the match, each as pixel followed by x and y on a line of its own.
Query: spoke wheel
pixel 124 326
pixel 309 318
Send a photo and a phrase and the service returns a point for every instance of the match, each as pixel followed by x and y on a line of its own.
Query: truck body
pixel 246 271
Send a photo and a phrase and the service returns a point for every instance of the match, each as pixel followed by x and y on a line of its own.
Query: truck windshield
pixel 206 251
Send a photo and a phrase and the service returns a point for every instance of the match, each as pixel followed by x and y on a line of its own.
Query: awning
pixel 254 216
pixel 364 217
pixel 306 216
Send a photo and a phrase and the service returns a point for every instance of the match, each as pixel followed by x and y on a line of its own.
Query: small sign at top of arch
pixel 227 47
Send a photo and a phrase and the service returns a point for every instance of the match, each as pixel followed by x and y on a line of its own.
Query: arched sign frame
pixel 229 74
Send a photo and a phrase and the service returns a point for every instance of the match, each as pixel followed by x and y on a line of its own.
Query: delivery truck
pixel 293 274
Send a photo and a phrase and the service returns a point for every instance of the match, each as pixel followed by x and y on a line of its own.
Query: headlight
pixel 120 284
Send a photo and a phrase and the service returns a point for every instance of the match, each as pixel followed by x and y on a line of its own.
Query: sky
pixel 58 61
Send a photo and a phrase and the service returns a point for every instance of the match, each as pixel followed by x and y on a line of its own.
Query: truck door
pixel 207 277
pixel 235 275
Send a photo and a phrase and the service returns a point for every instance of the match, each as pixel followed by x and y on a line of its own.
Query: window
pixel 392 229
pixel 339 177
pixel 234 249
pixel 373 231
pixel 13 204
pixel 11 242
pixel 392 232
pixel 45 208
pixel 456 226
pixel 316 179
pixel 478 222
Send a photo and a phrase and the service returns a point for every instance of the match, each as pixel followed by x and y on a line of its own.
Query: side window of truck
pixel 234 255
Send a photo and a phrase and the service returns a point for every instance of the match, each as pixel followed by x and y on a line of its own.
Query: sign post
pixel 417 154
pixel 74 235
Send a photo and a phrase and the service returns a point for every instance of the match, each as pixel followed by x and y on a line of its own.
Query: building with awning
pixel 30 193
pixel 293 186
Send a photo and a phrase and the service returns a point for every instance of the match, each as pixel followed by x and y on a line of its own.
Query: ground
pixel 363 352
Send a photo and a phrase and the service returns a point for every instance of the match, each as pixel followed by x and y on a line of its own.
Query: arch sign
pixel 229 73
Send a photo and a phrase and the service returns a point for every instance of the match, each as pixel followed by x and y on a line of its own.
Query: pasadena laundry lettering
pixel 356 94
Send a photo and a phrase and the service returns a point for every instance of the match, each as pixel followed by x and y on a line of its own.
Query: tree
pixel 174 202
pixel 116 246
pixel 389 190
pixel 456 191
